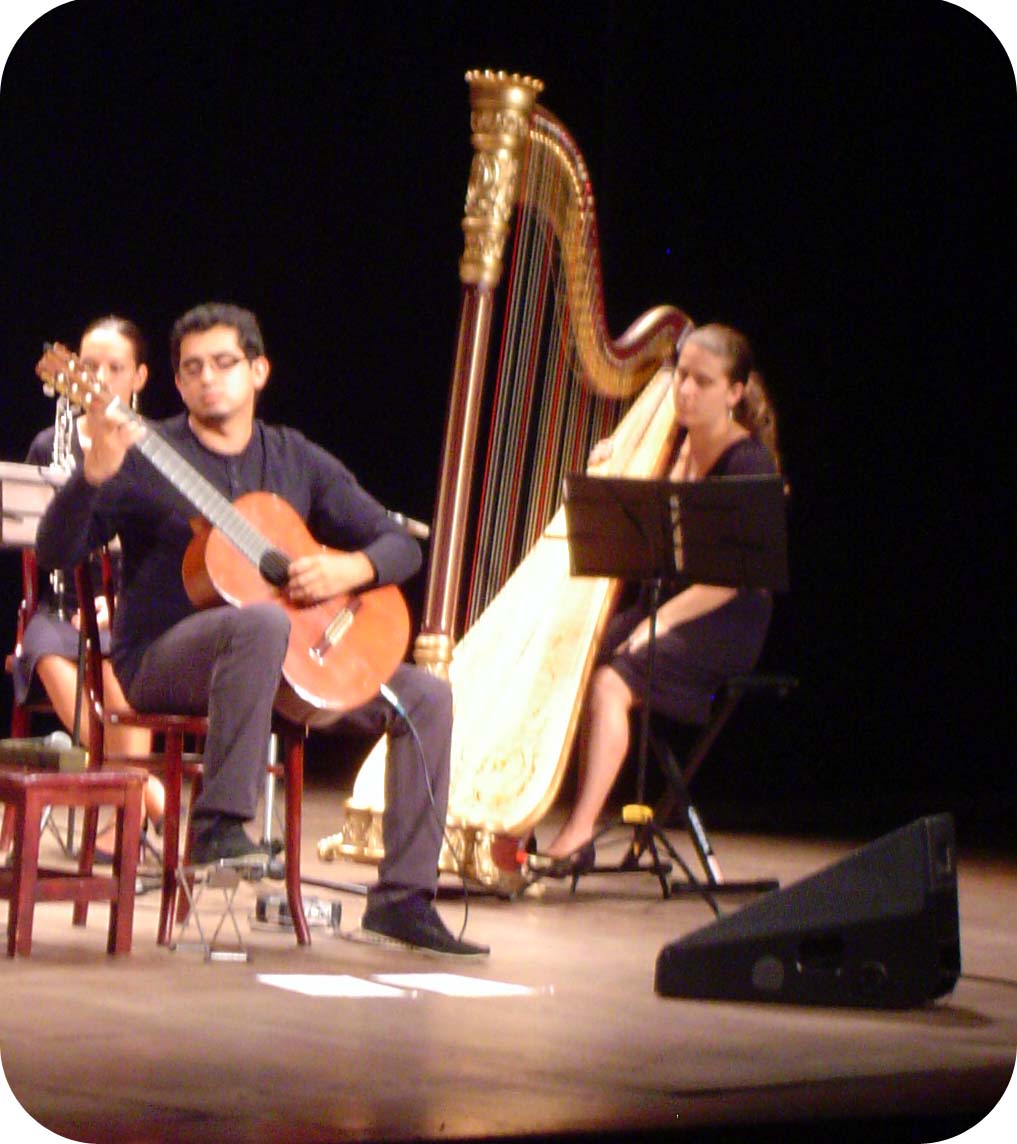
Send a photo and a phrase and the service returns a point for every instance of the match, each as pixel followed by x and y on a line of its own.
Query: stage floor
pixel 559 1032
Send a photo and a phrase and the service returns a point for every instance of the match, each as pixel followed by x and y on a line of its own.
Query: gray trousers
pixel 227 662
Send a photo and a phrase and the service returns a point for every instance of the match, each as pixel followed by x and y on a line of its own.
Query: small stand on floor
pixel 729 531
pixel 225 877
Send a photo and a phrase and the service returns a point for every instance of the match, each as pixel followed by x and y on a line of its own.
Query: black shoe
pixel 580 861
pixel 149 849
pixel 222 837
pixel 414 923
pixel 105 857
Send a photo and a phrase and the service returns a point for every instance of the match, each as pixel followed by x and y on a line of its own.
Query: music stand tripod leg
pixel 657 867
pixel 647 831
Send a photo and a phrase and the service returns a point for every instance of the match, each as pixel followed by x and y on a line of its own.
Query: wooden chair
pixel 181 737
pixel 29 793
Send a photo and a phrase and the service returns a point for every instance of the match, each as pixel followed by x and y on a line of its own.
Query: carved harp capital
pixel 500 122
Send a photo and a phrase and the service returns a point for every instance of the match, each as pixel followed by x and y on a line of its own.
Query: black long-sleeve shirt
pixel 152 520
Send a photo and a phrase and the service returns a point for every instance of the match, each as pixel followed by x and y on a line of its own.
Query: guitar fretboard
pixel 62 373
pixel 206 499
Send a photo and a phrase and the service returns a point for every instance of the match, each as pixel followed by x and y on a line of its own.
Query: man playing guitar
pixel 305 598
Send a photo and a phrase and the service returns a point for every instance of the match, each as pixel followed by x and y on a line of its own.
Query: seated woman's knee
pixel 608 688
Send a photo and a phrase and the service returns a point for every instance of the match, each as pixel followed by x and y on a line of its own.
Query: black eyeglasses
pixel 194 367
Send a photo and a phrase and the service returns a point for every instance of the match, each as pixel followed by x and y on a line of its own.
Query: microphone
pixel 415 528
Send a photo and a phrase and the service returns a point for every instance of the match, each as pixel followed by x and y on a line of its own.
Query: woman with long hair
pixel 704 633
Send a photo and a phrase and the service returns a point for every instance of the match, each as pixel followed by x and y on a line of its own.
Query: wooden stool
pixel 24 882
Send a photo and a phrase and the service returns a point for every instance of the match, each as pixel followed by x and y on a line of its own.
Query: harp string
pixel 544 419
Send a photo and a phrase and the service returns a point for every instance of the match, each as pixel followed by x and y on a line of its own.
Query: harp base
pixel 471 852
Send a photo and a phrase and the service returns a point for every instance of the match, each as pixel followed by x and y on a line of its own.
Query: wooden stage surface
pixel 570 1040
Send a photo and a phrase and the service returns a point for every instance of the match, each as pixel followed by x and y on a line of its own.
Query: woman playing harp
pixel 520 670
pixel 705 633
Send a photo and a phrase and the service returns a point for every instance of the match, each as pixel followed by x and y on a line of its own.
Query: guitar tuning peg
pixel 49 390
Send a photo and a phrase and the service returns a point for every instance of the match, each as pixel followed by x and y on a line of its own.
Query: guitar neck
pixel 201 494
pixel 61 372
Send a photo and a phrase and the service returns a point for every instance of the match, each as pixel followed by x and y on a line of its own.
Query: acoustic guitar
pixel 341 650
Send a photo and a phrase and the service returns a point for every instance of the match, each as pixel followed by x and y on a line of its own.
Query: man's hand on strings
pixel 328 573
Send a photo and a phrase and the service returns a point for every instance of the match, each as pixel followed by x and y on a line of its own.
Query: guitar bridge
pixel 339 626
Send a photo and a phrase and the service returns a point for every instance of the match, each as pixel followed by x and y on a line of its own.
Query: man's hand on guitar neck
pixel 328 573
pixel 110 435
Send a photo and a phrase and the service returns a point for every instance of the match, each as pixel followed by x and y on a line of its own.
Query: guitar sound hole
pixel 274 565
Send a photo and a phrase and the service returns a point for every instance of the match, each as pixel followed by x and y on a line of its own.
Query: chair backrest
pixel 92 681
pixel 29 589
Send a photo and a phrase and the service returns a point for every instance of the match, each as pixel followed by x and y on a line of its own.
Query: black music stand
pixel 25 491
pixel 730 531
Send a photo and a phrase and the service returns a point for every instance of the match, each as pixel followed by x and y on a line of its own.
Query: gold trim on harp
pixel 500 122
pixel 613 367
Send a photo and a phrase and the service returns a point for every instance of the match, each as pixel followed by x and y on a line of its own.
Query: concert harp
pixel 498 566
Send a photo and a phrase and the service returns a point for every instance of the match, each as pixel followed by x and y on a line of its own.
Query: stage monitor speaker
pixel 878 929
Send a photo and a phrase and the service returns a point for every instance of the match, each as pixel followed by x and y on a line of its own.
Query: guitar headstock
pixel 63 372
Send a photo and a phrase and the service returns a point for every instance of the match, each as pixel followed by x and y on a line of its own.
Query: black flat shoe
pixel 413 923
pixel 580 861
pixel 105 857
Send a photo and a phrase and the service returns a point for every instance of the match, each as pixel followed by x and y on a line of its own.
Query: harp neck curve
pixel 616 368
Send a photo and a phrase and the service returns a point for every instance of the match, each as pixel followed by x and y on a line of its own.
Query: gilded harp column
pixel 501 107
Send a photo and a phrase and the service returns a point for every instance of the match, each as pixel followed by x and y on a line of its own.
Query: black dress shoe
pixel 580 861
pixel 223 837
pixel 413 923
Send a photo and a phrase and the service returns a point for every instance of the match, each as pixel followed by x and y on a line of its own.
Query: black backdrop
pixel 836 179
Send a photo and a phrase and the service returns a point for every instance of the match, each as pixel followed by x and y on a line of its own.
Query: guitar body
pixel 341 650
